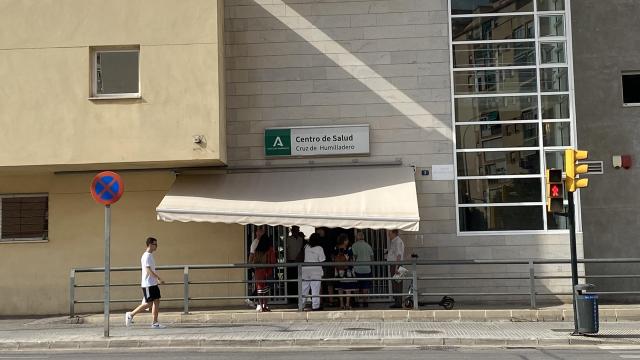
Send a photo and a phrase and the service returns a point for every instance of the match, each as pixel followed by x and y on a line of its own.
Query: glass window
pixel 498 218
pixel 516 162
pixel 557 222
pixel 24 218
pixel 551 25
pixel 116 73
pixel 497 136
pixel 554 159
pixel 489 6
pixel 493 28
pixel 479 191
pixel 554 79
pixel 557 134
pixel 552 53
pixel 631 88
pixel 555 107
pixel 487 55
pixel 550 5
pixel 495 81
pixel 496 108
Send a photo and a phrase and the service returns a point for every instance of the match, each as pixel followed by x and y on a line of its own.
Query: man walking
pixel 395 253
pixel 149 283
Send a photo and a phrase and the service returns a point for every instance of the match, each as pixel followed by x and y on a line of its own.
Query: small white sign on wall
pixel 442 172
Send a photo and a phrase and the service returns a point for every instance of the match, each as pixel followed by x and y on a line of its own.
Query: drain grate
pixel 358 329
pixel 427 332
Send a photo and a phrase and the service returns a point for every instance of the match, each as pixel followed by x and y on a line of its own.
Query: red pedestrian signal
pixel 555 191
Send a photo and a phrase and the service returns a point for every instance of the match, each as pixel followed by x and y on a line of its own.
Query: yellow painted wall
pixel 45 66
pixel 34 276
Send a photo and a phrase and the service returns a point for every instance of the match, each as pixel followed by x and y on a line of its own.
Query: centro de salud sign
pixel 317 140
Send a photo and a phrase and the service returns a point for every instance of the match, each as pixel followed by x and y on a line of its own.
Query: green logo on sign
pixel 277 142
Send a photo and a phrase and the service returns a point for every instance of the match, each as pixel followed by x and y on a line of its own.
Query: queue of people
pixel 322 279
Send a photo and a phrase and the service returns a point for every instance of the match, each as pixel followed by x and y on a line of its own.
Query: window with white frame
pixel 24 217
pixel 512 110
pixel 116 73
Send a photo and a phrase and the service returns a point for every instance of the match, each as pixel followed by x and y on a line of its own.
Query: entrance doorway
pixel 278 235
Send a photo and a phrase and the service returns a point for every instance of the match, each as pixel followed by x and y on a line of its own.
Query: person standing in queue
pixel 362 252
pixel 294 247
pixel 149 283
pixel 395 253
pixel 312 275
pixel 263 253
pixel 328 247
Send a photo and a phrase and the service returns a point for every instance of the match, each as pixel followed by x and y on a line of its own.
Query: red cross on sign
pixel 107 187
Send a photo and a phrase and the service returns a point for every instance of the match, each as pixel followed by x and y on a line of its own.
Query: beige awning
pixel 357 197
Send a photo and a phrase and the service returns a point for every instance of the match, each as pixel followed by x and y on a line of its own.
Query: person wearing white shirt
pixel 149 282
pixel 312 275
pixel 395 253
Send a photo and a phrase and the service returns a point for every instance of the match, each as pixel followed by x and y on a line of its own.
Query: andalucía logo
pixel 277 142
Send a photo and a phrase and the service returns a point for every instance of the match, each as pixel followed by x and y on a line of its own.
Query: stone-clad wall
pixel 385 63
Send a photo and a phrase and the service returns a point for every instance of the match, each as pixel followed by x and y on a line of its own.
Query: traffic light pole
pixel 574 258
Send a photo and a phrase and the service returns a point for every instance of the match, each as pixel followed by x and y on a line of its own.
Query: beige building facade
pixel 210 78
pixel 54 121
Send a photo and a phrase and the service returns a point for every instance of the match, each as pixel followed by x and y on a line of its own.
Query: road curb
pixel 329 342
pixel 543 315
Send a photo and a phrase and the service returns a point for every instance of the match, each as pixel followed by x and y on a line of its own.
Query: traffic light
pixel 573 169
pixel 555 191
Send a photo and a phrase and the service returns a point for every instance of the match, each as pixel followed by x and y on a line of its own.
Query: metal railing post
pixel 186 289
pixel 72 293
pixel 532 284
pixel 415 284
pixel 300 295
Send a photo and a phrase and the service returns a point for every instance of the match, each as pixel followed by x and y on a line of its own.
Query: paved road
pixel 608 353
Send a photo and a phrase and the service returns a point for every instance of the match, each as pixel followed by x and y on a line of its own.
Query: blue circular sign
pixel 107 187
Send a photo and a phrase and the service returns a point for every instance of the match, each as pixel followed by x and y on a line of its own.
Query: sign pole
pixel 107 188
pixel 107 266
pixel 574 256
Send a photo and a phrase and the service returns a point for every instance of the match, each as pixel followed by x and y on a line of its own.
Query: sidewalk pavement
pixel 288 328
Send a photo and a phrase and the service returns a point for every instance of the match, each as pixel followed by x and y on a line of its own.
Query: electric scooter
pixel 446 302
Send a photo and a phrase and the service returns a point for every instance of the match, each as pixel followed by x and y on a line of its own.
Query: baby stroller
pixel 401 274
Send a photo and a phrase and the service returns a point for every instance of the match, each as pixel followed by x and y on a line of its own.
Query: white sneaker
pixel 128 319
pixel 259 307
pixel 249 303
pixel 157 326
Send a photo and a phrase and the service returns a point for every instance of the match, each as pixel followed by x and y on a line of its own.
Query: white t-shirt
pixel 396 248
pixel 147 260
pixel 313 255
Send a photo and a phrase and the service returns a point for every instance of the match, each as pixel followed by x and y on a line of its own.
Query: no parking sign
pixel 107 188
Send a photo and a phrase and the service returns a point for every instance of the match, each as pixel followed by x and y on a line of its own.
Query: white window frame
pixel 624 104
pixel 567 40
pixel 22 240
pixel 94 74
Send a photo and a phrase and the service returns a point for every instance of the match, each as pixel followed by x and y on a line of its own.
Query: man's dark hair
pixel 151 240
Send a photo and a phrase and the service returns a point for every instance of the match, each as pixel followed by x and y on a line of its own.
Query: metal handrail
pixel 413 279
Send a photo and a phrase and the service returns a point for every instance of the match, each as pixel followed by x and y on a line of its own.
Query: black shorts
pixel 364 284
pixel 151 293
